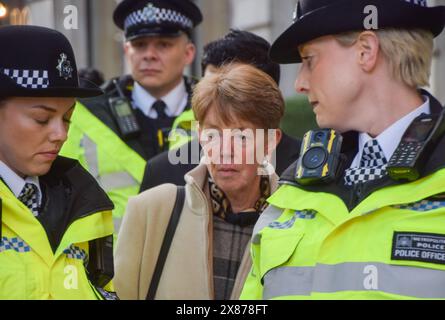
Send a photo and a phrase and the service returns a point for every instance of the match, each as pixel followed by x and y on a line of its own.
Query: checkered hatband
pixel 30 79
pixel 153 15
pixel 372 165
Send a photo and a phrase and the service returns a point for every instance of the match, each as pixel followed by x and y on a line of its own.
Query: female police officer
pixel 55 218
pixel 367 234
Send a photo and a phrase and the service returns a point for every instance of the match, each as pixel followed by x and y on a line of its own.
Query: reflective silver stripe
pixel 288 281
pixel 108 182
pixel 269 215
pixel 400 280
pixel 91 155
pixel 117 181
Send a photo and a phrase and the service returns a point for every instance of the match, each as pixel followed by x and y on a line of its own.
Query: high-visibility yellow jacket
pixel 383 240
pixel 30 268
pixel 117 168
pixel 308 245
pixel 182 130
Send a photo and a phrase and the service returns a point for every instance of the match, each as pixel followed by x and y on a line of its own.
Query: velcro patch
pixel 415 246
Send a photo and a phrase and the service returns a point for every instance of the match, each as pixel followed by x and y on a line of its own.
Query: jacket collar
pixel 196 180
pixel 175 101
pixel 81 184
pixel 71 193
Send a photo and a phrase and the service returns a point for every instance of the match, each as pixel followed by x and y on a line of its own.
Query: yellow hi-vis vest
pixel 308 245
pixel 182 130
pixel 117 168
pixel 29 269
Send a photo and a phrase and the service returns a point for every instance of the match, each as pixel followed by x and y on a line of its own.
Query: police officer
pixel 54 216
pixel 115 134
pixel 371 233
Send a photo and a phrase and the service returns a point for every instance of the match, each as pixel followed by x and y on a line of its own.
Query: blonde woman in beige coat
pixel 239 109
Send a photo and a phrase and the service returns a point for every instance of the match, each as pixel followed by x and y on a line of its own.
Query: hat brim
pixel 347 16
pixel 9 88
pixel 153 31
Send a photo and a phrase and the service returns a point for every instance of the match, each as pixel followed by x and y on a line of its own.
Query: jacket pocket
pixel 12 281
pixel 277 247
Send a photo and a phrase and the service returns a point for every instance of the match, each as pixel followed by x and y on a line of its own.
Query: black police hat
pixel 38 62
pixel 139 18
pixel 316 18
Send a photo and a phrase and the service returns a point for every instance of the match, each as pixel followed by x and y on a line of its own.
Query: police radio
pixel 417 143
pixel 123 114
pixel 319 157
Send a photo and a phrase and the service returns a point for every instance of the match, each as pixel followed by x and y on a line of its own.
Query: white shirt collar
pixel 16 183
pixel 176 101
pixel 390 138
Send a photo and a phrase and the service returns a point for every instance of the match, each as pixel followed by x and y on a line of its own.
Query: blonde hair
pixel 240 91
pixel 409 53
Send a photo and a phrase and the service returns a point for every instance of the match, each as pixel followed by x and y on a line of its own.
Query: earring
pixel 266 168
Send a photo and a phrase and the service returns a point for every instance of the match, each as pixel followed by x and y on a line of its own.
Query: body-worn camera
pixel 417 143
pixel 319 157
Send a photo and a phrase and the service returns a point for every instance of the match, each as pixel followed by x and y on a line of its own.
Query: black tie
pixel 29 196
pixel 160 107
pixel 372 165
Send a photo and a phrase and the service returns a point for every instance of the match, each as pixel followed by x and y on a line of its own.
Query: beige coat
pixel 188 270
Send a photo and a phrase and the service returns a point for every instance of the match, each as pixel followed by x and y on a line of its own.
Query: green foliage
pixel 298 117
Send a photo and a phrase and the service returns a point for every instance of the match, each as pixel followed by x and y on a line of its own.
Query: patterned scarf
pixel 222 208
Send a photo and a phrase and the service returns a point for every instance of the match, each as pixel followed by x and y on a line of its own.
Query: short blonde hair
pixel 240 91
pixel 408 52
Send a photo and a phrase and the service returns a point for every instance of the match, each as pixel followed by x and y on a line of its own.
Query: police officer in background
pixel 375 231
pixel 56 223
pixel 115 134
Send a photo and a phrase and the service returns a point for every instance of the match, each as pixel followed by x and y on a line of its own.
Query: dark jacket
pixel 159 170
pixel 69 193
